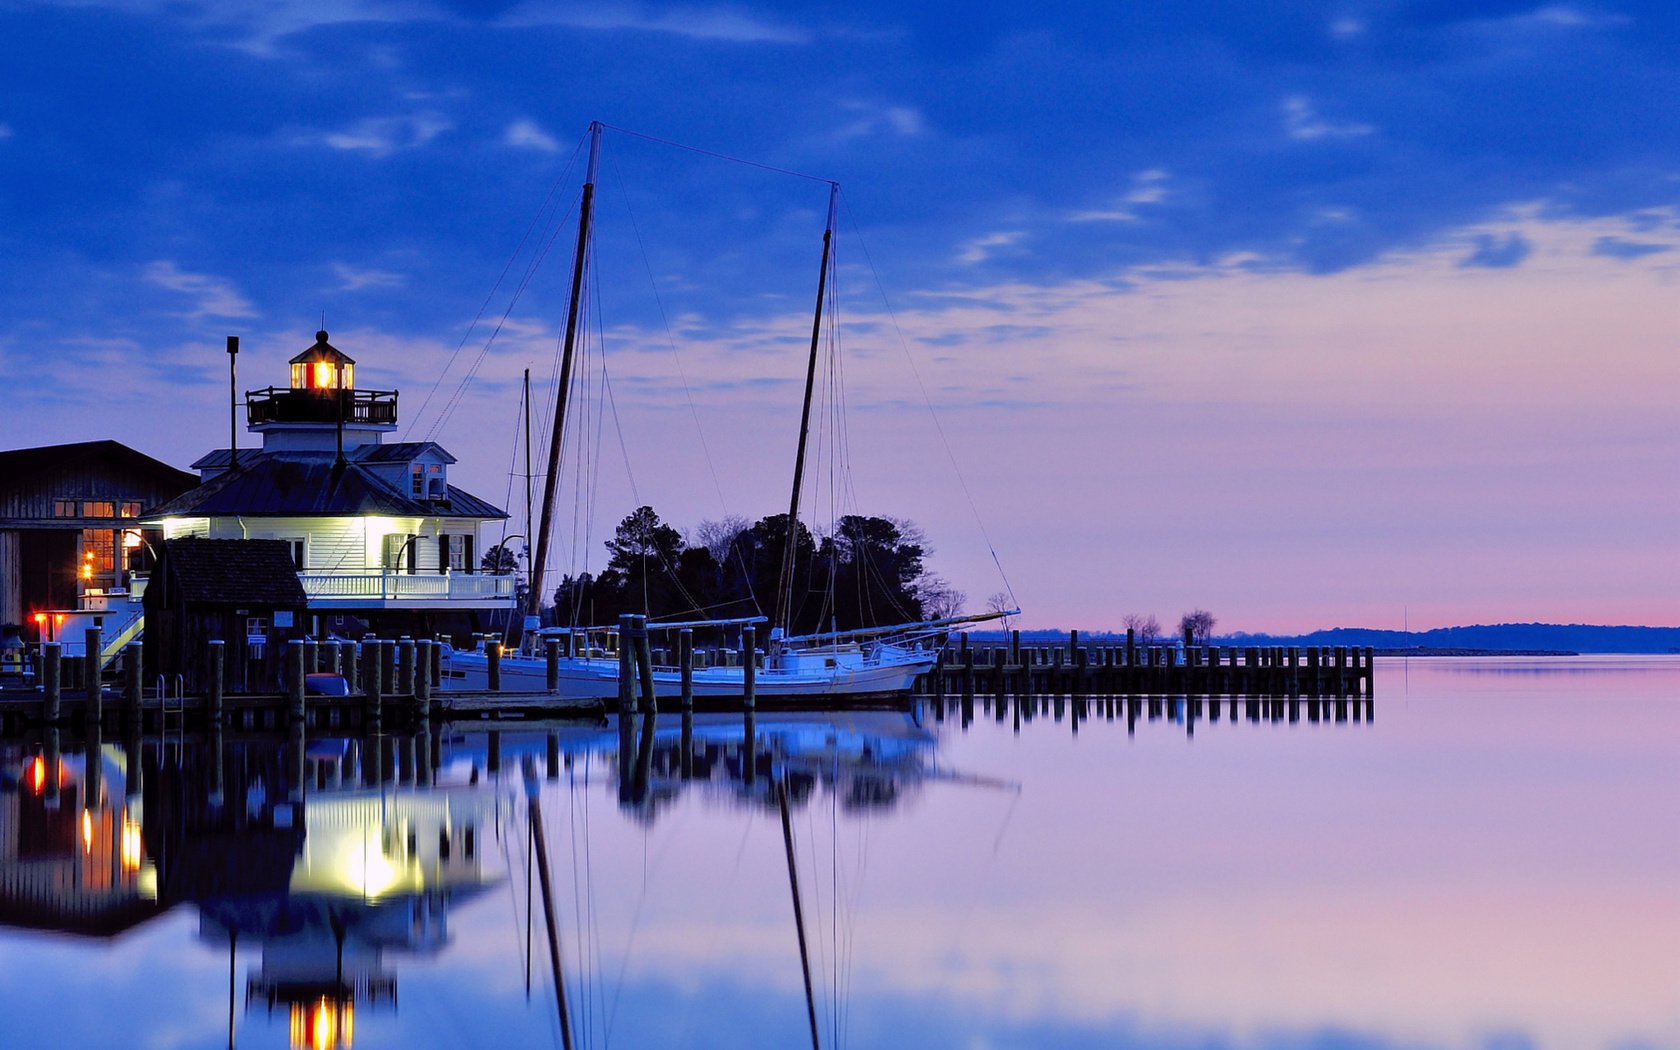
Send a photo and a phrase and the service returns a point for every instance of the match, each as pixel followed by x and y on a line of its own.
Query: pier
pixel 399 683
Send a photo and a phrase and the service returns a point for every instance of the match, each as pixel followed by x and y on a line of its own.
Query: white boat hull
pixel 597 679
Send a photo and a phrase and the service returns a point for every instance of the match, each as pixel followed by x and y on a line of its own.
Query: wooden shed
pixel 244 592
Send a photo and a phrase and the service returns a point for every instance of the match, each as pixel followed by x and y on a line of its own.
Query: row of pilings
pixel 1082 668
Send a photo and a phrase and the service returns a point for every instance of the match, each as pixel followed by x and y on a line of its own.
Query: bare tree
pixel 1198 623
pixel 1000 603
pixel 716 536
pixel 939 599
pixel 1146 627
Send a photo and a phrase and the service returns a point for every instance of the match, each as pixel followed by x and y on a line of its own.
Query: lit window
pixel 130 509
pixel 64 508
pixel 99 552
pixel 102 508
pixel 417 480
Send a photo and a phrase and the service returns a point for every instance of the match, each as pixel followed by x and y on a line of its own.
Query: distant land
pixel 1515 638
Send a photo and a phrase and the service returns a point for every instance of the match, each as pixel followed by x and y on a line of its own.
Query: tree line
pixel 1198 623
pixel 868 572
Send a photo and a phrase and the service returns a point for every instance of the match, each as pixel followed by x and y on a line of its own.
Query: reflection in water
pixel 324 860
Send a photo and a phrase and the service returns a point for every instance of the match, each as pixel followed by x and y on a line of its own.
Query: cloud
pixel 1614 247
pixel 1302 123
pixel 903 121
pixel 383 136
pixel 724 24
pixel 352 279
pixel 980 249
pixel 1498 252
pixel 216 296
pixel 257 26
pixel 525 134
pixel 1148 187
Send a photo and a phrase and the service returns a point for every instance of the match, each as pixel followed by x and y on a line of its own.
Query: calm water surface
pixel 1489 857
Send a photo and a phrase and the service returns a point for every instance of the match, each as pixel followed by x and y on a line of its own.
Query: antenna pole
pixel 533 601
pixel 233 401
pixel 784 593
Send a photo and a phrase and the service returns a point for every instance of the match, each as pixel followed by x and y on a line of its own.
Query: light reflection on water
pixel 1490 859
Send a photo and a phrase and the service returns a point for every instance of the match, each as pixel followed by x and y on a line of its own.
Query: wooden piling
pixel 423 678
pixel 217 661
pixel 644 657
pixel 493 665
pixel 294 679
pixel 349 667
pixel 551 664
pixel 749 666
pixel 406 657
pixel 685 661
pixel 52 682
pixel 374 685
pixel 133 694
pixel 626 666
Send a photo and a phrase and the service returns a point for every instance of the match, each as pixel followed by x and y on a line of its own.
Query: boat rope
pixel 904 345
pixel 564 178
pixel 670 339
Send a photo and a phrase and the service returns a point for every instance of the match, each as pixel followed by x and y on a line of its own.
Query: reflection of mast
pixel 533 809
pixel 798 911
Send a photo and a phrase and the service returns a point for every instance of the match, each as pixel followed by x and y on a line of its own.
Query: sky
pixel 1308 314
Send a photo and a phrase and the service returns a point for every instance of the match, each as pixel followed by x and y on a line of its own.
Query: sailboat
pixel 866 661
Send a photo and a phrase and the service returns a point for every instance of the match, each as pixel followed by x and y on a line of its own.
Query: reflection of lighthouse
pixel 375 872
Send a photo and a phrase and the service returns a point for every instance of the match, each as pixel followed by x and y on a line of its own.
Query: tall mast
pixel 533 601
pixel 784 592
pixel 530 566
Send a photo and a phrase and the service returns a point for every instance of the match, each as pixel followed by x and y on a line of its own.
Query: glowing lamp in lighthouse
pixel 323 367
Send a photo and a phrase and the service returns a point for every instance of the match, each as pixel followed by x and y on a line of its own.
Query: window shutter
pixel 443 552
pixel 469 561
pixel 411 559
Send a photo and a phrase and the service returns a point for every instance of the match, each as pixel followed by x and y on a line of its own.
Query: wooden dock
pixel 1083 669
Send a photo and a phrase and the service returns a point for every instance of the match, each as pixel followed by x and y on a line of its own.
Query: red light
pixel 38 775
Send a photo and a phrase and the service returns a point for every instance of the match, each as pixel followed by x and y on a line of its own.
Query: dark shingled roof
pixel 243 572
pixel 18 463
pixel 309 484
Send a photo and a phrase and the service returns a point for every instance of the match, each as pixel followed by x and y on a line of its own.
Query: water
pixel 1492 860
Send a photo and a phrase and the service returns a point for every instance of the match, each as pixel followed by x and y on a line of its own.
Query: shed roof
pixel 21 462
pixel 225 572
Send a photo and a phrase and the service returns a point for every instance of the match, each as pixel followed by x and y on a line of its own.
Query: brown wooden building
pixel 69 521
pixel 244 592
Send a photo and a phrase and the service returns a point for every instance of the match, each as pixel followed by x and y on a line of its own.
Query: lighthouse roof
pixel 322 348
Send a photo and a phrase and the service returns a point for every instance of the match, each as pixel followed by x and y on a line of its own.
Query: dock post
pixel 749 666
pixel 347 665
pixel 626 666
pixel 404 685
pixel 93 679
pixel 968 670
pixel 218 665
pixel 422 651
pixel 52 682
pixel 493 665
pixel 644 656
pixel 551 664
pixel 294 679
pixel 1368 672
pixel 133 695
pixel 374 684
pixel 685 660
pixel 311 655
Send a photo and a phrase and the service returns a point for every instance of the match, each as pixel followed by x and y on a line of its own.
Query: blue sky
pixel 1050 197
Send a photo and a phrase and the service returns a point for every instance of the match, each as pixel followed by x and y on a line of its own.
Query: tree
pixel 939 599
pixel 1198 624
pixel 499 561
pixel 641 536
pixel 999 603
pixel 718 536
pixel 875 563
pixel 1144 626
